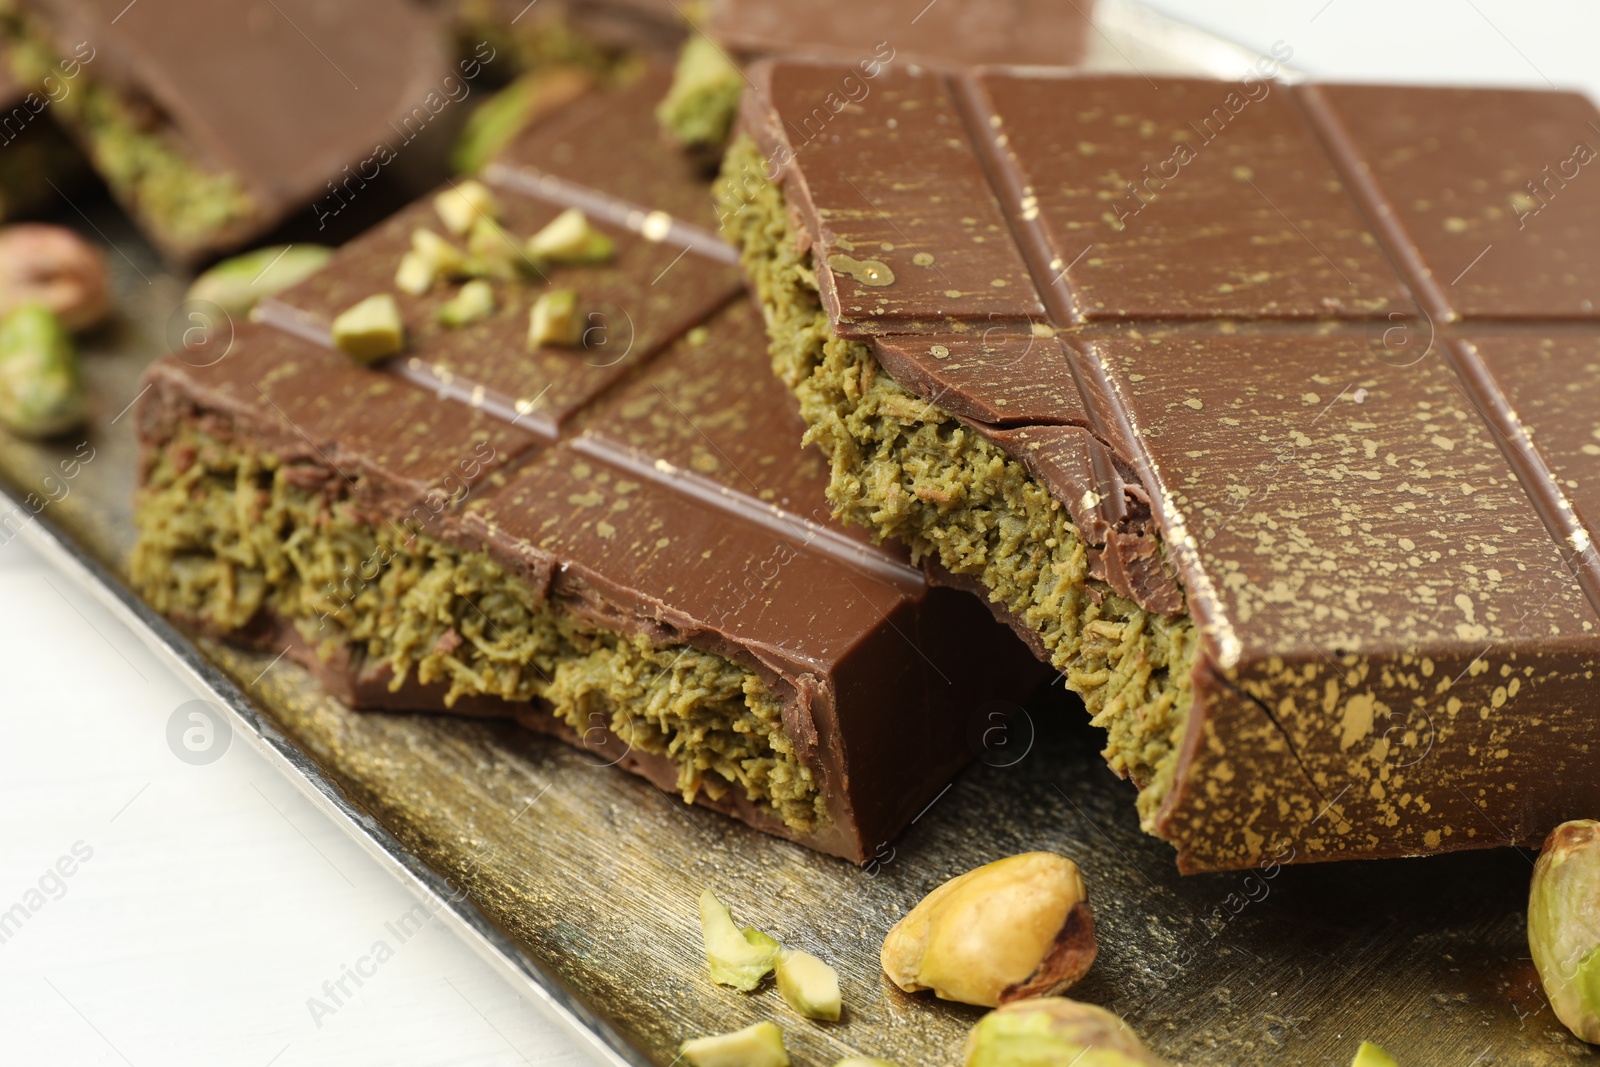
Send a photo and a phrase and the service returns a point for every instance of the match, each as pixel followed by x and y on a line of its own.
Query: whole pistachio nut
pixel 1370 1055
pixel 1564 925
pixel 740 958
pixel 52 266
pixel 1055 1032
pixel 41 389
pixel 760 1045
pixel 1019 927
pixel 236 284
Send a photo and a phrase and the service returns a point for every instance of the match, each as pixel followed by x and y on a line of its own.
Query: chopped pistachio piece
pixel 463 204
pixel 41 389
pixel 494 252
pixel 554 320
pixel 569 238
pixel 371 330
pixel 415 274
pixel 235 285
pixel 446 259
pixel 699 108
pixel 760 1045
pixel 475 301
pixel 808 985
pixel 1370 1055
pixel 738 958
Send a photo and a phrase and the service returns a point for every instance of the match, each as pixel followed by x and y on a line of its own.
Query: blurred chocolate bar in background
pixel 212 122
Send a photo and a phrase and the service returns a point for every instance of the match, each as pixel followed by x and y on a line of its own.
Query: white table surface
pixel 215 902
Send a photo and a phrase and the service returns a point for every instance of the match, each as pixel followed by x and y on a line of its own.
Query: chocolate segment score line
pixel 1344 339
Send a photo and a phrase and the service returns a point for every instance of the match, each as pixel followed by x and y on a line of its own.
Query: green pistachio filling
pixel 906 469
pixel 132 150
pixel 226 534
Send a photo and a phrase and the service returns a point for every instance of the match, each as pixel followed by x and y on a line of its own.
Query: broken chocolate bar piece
pixel 211 122
pixel 1264 413
pixel 619 542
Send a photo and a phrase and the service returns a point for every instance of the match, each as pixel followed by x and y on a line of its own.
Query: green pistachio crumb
pixel 699 108
pixel 570 238
pixel 415 274
pixel 235 285
pixel 1370 1055
pixel 737 958
pixel 41 389
pixel 446 259
pixel 475 301
pixel 463 204
pixel 760 1045
pixel 808 985
pixel 494 252
pixel 370 330
pixel 554 320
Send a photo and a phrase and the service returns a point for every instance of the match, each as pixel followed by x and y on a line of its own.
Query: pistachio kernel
pixel 554 320
pixel 475 301
pixel 737 958
pixel 1055 1030
pixel 760 1045
pixel 570 238
pixel 1564 925
pixel 463 204
pixel 370 330
pixel 41 388
pixel 1019 927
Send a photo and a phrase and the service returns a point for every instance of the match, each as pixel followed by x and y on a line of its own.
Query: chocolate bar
pixel 211 122
pixel 618 542
pixel 1263 413
pixel 700 110
pixel 948 33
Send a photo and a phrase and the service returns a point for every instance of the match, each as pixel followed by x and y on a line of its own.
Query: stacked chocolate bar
pixel 1264 413
pixel 615 540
